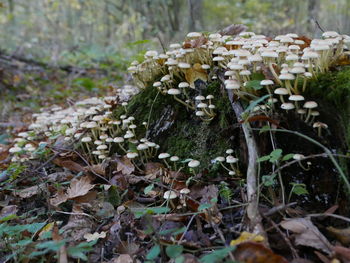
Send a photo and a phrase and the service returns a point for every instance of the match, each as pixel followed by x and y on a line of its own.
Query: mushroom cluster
pixel 287 63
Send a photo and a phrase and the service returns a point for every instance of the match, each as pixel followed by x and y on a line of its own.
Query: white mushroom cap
pixel 330 34
pixel 202 105
pixel 86 139
pixel 199 97
pixel 200 113
pixel 220 159
pixel 205 66
pixel 184 65
pixel 174 158
pixel 118 139
pixel 170 194
pixel 157 84
pixel 266 82
pixel 102 147
pixel 193 163
pixel 165 78
pixel 281 91
pixel 296 98
pixel 194 34
pixel 142 146
pixel 91 125
pixel 310 105
pixel 183 85
pixel 298 156
pixel 163 155
pixel 185 191
pixel 229 151
pixel 301 111
pixel 319 124
pixel 174 92
pixel 131 155
pixel 210 97
pixel 286 76
pixel 231 159
pixel 218 58
pixel 98 142
pixel 15 149
pixel 287 106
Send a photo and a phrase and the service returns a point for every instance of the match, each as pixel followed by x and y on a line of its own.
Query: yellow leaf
pixel 246 236
pixel 91 237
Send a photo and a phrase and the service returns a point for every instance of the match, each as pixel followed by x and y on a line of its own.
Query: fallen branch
pixel 253 214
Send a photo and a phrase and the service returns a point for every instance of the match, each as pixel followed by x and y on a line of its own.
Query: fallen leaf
pixel 123 258
pixel 30 191
pixel 153 170
pixel 8 211
pixel 251 252
pixel 129 248
pixel 246 236
pixel 195 73
pixel 307 234
pixel 91 237
pixel 125 165
pixel 60 198
pixel 79 187
pixel 343 252
pixel 62 253
pixel 342 235
pixel 69 164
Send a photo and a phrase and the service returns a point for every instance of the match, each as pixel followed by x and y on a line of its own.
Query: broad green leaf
pixel 275 155
pixel 217 255
pixel 255 103
pixel 268 180
pixel 263 158
pixel 254 84
pixel 264 129
pixel 174 251
pixel 148 189
pixel 153 253
pixel 288 157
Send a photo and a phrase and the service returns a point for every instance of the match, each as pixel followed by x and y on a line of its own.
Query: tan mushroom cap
pixel 170 195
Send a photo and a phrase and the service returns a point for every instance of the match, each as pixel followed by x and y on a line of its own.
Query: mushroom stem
pixel 304 84
pixel 274 74
pixel 184 103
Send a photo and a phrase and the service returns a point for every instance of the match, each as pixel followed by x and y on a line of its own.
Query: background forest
pixel 85 31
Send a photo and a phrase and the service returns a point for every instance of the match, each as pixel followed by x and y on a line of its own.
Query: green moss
pixel 333 89
pixel 188 137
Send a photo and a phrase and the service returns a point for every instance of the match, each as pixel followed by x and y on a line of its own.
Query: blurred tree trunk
pixel 195 17
pixel 313 10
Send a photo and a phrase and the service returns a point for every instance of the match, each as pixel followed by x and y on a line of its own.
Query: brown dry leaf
pixel 153 170
pixel 4 151
pixel 60 198
pixel 307 234
pixel 30 191
pixel 69 164
pixel 62 253
pixel 79 187
pixel 194 73
pixel 78 225
pixel 125 165
pixel 90 196
pixel 342 235
pixel 7 211
pixel 98 169
pixel 251 252
pixel 91 237
pixel 123 258
pixel 342 252
pixel 233 30
pixel 127 248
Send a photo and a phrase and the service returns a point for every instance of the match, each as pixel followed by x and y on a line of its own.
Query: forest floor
pixel 66 205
